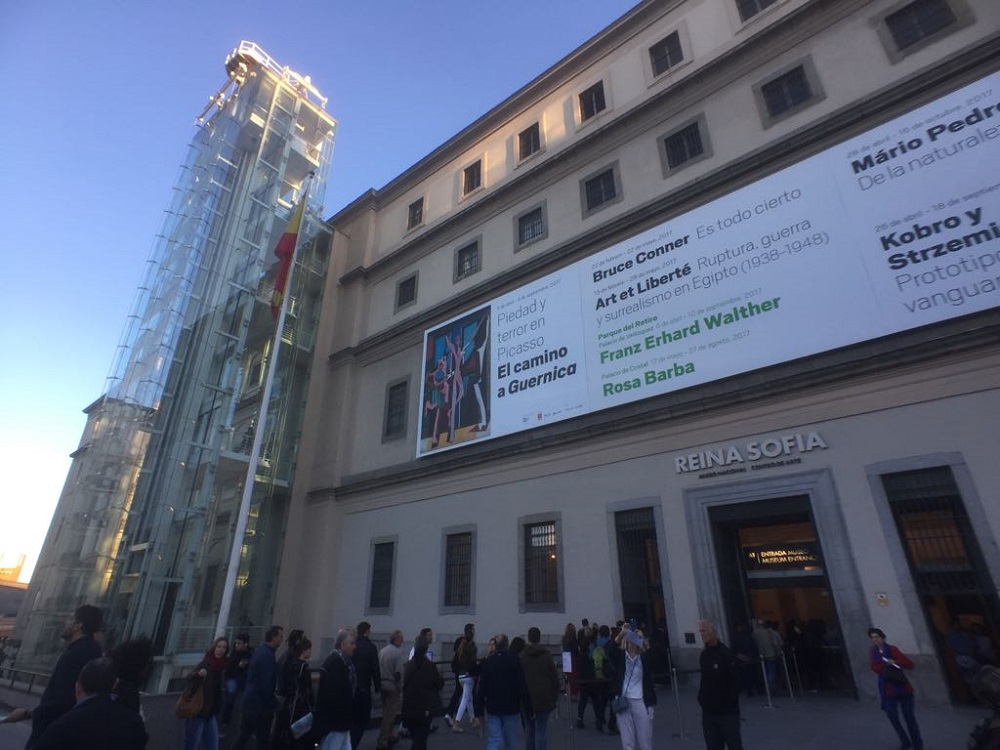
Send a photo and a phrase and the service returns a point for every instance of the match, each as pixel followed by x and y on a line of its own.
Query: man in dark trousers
pixel 338 684
pixel 259 701
pixel 719 693
pixel 365 660
pixel 97 720
pixel 60 694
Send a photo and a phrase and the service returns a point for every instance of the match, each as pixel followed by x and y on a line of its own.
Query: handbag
pixel 302 726
pixel 619 704
pixel 894 674
pixel 190 703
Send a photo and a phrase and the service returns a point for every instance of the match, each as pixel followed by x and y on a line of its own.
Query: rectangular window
pixel 530 226
pixel 750 8
pixel 592 101
pixel 541 568
pixel 786 92
pixel 528 142
pixel 683 145
pixel 472 177
pixel 920 19
pixel 467 260
pixel 666 53
pixel 380 596
pixel 458 570
pixel 395 410
pixel 600 189
pixel 406 291
pixel 415 214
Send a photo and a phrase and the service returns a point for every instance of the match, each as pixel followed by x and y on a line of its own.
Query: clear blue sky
pixel 97 105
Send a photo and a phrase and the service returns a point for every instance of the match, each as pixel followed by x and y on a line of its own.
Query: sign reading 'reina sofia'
pixel 894 229
pixel 775 447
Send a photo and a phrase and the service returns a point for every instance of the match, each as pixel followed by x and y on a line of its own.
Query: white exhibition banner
pixel 894 229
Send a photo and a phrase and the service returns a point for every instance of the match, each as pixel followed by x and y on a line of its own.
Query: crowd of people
pixel 507 692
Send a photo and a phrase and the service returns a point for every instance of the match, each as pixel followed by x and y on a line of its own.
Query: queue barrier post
pixel 788 677
pixel 767 687
pixel 677 702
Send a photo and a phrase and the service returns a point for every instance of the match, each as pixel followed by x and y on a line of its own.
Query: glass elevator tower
pixel 145 523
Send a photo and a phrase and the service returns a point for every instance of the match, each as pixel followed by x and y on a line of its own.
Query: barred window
pixel 600 189
pixel 786 91
pixel 406 291
pixel 541 569
pixel 395 410
pixel 530 226
pixel 380 596
pixel 683 145
pixel 920 19
pixel 467 261
pixel 750 8
pixel 458 570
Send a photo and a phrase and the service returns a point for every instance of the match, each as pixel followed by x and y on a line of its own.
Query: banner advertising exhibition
pixel 894 229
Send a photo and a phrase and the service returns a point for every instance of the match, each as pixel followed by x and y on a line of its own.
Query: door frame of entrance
pixel 935 687
pixel 831 531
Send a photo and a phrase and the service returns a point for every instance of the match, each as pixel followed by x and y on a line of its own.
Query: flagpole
pixel 258 438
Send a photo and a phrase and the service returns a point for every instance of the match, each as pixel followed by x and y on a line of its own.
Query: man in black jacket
pixel 719 693
pixel 502 683
pixel 366 668
pixel 338 683
pixel 97 720
pixel 60 694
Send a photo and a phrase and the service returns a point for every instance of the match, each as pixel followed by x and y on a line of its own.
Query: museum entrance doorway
pixel 771 569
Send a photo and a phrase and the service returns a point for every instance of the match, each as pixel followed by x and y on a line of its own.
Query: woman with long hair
pixel 298 699
pixel 210 673
pixel 421 694
pixel 571 647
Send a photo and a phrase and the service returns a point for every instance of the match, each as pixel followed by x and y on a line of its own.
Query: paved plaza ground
pixel 812 722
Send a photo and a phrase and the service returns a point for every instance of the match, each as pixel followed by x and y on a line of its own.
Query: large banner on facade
pixel 894 229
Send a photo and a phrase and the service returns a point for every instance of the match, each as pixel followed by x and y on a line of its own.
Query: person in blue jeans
pixel 505 693
pixel 895 690
pixel 543 687
pixel 209 675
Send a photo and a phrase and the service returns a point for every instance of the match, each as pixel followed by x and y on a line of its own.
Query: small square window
pixel 666 53
pixel 683 145
pixel 406 291
pixel 750 8
pixel 472 177
pixel 528 142
pixel 592 101
pixel 380 592
pixel 395 411
pixel 919 20
pixel 786 92
pixel 600 190
pixel 415 214
pixel 467 260
pixel 530 226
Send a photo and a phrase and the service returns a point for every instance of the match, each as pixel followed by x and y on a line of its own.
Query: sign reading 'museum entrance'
pixel 894 229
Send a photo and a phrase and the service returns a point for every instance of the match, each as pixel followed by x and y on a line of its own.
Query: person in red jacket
pixel 894 689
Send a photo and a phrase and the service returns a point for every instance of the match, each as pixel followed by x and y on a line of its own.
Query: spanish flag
pixel 285 250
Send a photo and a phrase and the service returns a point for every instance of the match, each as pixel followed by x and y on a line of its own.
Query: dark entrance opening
pixel 771 569
pixel 641 582
pixel 950 575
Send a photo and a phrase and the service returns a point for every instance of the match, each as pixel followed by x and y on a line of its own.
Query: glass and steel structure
pixel 145 523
